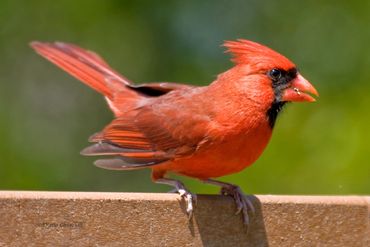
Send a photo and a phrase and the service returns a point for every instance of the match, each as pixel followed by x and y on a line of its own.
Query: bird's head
pixel 275 71
pixel 267 78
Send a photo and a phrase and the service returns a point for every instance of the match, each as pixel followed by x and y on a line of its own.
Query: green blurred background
pixel 46 115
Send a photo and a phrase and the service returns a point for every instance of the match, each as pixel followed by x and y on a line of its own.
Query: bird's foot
pixel 243 204
pixel 179 187
pixel 189 199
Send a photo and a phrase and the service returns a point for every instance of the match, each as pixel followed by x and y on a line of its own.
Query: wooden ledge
pixel 145 219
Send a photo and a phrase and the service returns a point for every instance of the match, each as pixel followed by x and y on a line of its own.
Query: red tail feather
pixel 92 70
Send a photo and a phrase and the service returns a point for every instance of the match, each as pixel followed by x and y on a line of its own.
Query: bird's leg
pixel 243 204
pixel 184 193
pixel 174 190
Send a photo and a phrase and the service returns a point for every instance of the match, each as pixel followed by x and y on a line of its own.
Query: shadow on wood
pixel 219 226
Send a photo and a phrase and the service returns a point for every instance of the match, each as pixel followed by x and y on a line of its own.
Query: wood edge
pixel 274 199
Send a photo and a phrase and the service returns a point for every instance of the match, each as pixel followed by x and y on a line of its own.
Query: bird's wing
pixel 153 135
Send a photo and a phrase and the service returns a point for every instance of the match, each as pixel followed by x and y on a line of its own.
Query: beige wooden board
pixel 132 219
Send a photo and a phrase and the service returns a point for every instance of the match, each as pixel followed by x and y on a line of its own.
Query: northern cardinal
pixel 201 132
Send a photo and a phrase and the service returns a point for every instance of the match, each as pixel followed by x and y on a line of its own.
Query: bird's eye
pixel 275 74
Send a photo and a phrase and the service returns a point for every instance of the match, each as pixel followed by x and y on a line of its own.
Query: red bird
pixel 201 132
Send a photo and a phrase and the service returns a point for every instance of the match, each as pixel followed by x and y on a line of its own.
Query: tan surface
pixel 129 219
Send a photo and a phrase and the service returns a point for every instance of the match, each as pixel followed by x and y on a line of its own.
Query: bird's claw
pixel 189 199
pixel 243 204
pixel 184 193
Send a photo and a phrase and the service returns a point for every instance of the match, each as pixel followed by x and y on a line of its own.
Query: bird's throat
pixel 273 112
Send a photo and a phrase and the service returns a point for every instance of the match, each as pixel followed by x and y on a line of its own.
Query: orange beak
pixel 300 91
